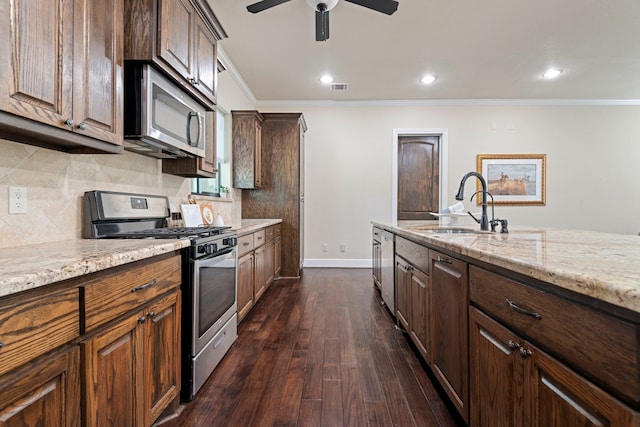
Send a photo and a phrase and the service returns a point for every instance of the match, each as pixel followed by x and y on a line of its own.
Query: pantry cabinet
pixel 61 74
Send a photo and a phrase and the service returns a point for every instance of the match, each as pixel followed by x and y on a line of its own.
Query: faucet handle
pixel 504 226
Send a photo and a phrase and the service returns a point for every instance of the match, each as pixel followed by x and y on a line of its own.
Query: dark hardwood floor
pixel 319 351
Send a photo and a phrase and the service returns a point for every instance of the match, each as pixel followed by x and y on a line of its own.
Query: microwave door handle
pixel 190 116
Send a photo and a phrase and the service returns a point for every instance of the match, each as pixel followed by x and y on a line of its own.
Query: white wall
pixel 593 165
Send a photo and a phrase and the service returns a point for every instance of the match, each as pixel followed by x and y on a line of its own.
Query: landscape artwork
pixel 514 178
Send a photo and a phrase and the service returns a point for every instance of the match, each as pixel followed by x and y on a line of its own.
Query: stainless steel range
pixel 209 319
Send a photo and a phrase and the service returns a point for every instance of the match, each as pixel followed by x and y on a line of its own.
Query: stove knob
pixel 202 249
pixel 230 241
pixel 212 248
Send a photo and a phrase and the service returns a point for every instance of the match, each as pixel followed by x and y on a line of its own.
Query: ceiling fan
pixel 322 8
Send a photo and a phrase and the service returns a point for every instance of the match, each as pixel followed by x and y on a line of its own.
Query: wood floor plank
pixel 319 351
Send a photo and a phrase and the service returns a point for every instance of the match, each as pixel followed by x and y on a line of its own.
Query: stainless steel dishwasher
pixel 387 271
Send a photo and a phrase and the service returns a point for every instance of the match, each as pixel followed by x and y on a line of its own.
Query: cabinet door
pixel 497 387
pixel 175 35
pixel 206 57
pixel 98 69
pixel 559 397
pixel 113 375
pixel 420 312
pixel 245 274
pixel 269 261
pixel 261 277
pixel 277 257
pixel 162 355
pixel 450 328
pixel 46 393
pixel 36 60
pixel 403 283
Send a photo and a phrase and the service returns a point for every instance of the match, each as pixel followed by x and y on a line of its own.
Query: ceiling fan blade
pixel 384 6
pixel 322 24
pixel 264 4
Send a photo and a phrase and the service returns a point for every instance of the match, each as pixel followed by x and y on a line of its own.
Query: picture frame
pixel 514 179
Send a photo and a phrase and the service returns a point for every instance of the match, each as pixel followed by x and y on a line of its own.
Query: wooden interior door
pixel 418 177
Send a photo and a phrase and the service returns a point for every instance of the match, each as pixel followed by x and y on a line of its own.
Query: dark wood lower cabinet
pixel 515 384
pixel 450 293
pixel 245 272
pixel 43 393
pixel 132 369
pixel 403 289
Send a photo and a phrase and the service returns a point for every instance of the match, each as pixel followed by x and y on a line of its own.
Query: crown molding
pixel 235 74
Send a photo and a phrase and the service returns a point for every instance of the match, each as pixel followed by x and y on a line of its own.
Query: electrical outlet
pixel 343 247
pixel 325 247
pixel 17 200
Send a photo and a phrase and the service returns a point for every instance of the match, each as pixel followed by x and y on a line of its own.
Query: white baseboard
pixel 337 263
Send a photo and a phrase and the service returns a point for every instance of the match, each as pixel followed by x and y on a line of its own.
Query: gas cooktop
pixel 169 233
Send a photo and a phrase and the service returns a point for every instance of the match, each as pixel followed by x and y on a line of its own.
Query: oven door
pixel 214 295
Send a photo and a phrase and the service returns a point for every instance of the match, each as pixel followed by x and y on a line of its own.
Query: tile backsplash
pixel 55 182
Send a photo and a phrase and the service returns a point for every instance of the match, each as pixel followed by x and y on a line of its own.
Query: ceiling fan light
pixel 552 73
pixel 427 79
pixel 326 79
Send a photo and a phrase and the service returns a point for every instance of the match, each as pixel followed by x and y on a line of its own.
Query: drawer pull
pixel 142 319
pixel 245 244
pixel 445 260
pixel 520 310
pixel 145 286
pixel 152 314
pixel 1 344
pixel 513 345
pixel 525 353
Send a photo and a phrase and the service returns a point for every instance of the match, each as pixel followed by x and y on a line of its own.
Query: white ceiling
pixel 478 49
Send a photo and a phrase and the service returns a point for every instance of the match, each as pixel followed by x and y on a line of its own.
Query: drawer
pixel 128 287
pixel 32 326
pixel 416 254
pixel 259 238
pixel 597 345
pixel 245 244
pixel 376 234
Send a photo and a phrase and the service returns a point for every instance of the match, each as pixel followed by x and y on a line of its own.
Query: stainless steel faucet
pixel 484 219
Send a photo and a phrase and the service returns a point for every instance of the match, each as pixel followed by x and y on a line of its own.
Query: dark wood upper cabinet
pixel 197 167
pixel 180 37
pixel 61 75
pixel 247 149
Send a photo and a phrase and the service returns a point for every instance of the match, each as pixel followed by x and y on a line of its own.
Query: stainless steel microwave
pixel 160 119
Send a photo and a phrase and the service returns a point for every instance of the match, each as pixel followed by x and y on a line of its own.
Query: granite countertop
pixel 32 266
pixel 599 265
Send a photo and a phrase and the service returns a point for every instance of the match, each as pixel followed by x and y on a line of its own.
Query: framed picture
pixel 517 179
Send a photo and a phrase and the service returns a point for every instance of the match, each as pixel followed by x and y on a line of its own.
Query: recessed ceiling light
pixel 552 73
pixel 326 79
pixel 427 79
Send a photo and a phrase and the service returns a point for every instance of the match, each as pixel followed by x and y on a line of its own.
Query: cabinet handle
pixel 520 310
pixel 525 353
pixel 1 344
pixel 245 244
pixel 69 122
pixel 193 80
pixel 145 286
pixel 406 268
pixel 82 126
pixel 151 314
pixel 142 319
pixel 513 345
pixel 445 260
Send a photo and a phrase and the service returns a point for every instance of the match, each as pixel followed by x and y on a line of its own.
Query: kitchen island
pixel 537 327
